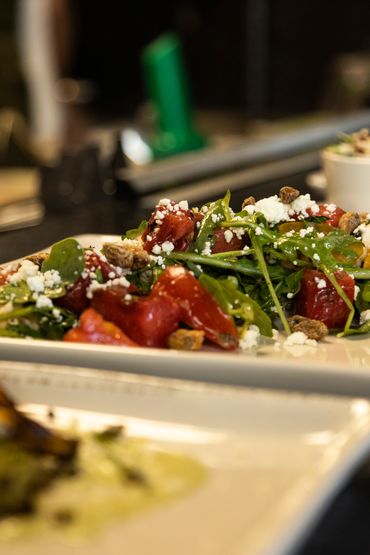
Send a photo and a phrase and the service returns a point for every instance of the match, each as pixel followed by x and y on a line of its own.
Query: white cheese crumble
pixel 25 270
pixel 43 302
pixel 183 204
pixel 316 257
pixel 258 231
pixel 156 249
pixel 95 285
pixel 364 230
pixel 320 282
pixel 164 202
pixel 364 316
pixel 167 247
pixel 228 234
pixel 357 290
pixel 207 249
pixel 299 338
pixel 250 337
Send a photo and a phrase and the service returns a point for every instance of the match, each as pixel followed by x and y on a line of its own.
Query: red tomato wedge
pixel 169 223
pixel 318 299
pixel 75 298
pixel 220 244
pixel 326 210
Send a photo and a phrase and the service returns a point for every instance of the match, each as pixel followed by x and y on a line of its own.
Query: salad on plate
pixel 192 276
pixel 353 144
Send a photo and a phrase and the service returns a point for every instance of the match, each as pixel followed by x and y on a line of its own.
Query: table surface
pixel 344 528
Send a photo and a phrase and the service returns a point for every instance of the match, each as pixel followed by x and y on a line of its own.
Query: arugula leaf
pixel 17 292
pixel 245 266
pixel 67 258
pixel 136 232
pixel 217 211
pixel 37 323
pixel 236 303
pixel 364 328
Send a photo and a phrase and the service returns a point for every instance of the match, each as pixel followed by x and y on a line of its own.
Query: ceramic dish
pixel 336 366
pixel 274 460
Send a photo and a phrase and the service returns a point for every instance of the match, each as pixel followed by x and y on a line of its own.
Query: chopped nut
pixel 314 329
pixel 38 258
pixel 186 340
pixel 131 256
pixel 288 194
pixel 349 221
pixel 248 201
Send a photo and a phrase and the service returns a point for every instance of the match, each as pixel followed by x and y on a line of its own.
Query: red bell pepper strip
pixel 199 310
pixel 92 328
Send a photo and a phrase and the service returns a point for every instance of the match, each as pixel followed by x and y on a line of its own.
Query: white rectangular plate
pixel 274 460
pixel 336 366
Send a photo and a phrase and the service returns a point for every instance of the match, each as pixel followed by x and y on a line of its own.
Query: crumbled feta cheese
pixel 258 231
pixel 167 247
pixel 164 202
pixel 275 335
pixel 302 203
pixel 316 257
pixel 306 231
pixel 290 295
pixel 364 230
pixel 331 208
pixel 320 282
pixel 56 313
pixel 43 302
pixel 250 337
pixel 52 278
pixel 364 316
pixel 156 249
pixel 357 290
pixel 272 208
pixel 183 204
pixel 35 283
pixel 228 234
pixel 239 232
pixel 207 248
pixel 25 270
pixel 299 338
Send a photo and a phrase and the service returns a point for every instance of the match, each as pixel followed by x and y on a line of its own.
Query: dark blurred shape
pixel 75 179
pixel 262 58
pixel 347 84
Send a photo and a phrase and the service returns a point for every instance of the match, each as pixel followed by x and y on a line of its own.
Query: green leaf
pixel 136 232
pixel 39 323
pixel 364 328
pixel 67 258
pixel 244 266
pixel 17 292
pixel 217 212
pixel 99 275
pixel 236 303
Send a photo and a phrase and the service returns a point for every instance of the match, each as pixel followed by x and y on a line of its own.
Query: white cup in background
pixel 348 180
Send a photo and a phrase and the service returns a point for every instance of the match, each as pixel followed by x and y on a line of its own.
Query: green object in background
pixel 168 91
